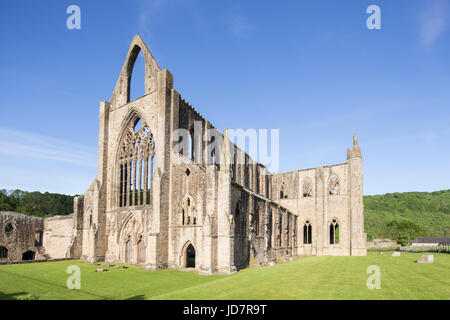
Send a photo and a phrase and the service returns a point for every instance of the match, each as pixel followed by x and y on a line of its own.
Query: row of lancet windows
pixel 334 232
pixel 136 165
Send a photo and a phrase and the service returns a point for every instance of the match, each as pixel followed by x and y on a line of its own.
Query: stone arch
pixel 188 255
pixel 131 234
pixel 307 231
pixel 307 187
pixel 334 185
pixel 28 255
pixel 334 231
pixel 283 194
pixel 187 211
pixel 121 94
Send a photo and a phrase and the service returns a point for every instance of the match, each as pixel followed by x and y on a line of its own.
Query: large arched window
pixel 307 233
pixel 307 188
pixel 333 186
pixel 334 232
pixel 136 165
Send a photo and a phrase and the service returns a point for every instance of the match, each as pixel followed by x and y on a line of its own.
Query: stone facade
pixel 161 207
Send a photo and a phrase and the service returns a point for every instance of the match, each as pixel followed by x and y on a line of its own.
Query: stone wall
pixel 58 236
pixel 19 234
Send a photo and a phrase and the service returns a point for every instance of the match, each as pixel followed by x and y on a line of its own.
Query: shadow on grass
pixel 139 297
pixel 18 296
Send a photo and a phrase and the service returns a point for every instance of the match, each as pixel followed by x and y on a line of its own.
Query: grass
pixel 305 278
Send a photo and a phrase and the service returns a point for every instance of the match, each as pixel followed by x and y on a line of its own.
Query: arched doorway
pixel 129 252
pixel 29 255
pixel 190 256
pixel 141 251
pixel 132 244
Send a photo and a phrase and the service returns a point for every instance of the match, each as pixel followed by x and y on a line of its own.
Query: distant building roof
pixel 440 240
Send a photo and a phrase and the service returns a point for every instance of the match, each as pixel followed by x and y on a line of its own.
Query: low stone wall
pixel 382 244
pixel 33 261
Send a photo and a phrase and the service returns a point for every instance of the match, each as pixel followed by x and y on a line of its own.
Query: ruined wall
pixel 19 233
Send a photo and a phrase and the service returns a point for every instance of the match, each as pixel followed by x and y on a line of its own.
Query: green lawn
pixel 305 278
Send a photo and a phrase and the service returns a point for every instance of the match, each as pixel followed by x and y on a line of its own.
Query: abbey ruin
pixel 215 210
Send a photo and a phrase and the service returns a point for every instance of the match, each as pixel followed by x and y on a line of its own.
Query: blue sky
pixel 309 68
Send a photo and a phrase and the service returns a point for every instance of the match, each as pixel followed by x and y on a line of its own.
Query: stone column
pixel 355 185
pixel 320 195
pixel 225 251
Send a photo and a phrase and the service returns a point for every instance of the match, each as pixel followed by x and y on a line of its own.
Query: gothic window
pixel 307 233
pixel 257 179
pixel 283 194
pixel 39 237
pixel 257 221
pixel 9 229
pixel 233 167
pixel 192 154
pixel 280 229
pixel 238 220
pixel 247 172
pixel 3 253
pixel 307 188
pixel 334 232
pixel 136 165
pixel 333 186
pixel 187 212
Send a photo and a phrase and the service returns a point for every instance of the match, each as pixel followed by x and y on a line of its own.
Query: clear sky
pixel 309 68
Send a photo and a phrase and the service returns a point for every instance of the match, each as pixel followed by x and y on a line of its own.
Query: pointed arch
pixel 334 185
pixel 307 187
pixel 121 94
pixel 283 194
pixel 134 163
pixel 307 232
pixel 187 211
pixel 334 231
pixel 131 240
pixel 238 219
pixel 188 255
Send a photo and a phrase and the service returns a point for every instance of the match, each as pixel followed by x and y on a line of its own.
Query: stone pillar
pixel 320 229
pixel 355 185
pixel 78 215
pixel 158 237
pixel 225 251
